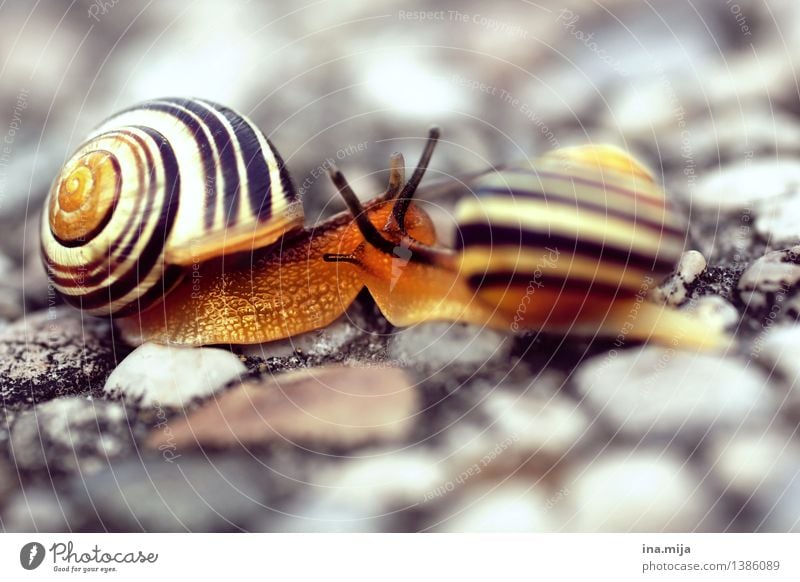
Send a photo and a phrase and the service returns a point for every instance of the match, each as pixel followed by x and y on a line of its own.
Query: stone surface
pixel 327 341
pixel 8 481
pixel 776 347
pixel 156 375
pixel 757 466
pixel 332 407
pixel 55 353
pixel 40 509
pixel 636 491
pixel 661 392
pixel 772 277
pixel 517 430
pixel 74 433
pixel 438 345
pixel 710 107
pixel 182 493
pixel 370 493
pixel 782 513
pixel 716 311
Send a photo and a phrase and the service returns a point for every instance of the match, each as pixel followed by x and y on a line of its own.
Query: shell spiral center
pixel 85 196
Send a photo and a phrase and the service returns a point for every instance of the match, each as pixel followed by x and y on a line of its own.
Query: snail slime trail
pixel 179 218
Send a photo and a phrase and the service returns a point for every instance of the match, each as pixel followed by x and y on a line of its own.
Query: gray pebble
pixel 8 481
pixel 513 506
pixel 784 511
pixel 772 276
pixel 517 429
pixel 438 345
pixel 186 493
pixel 365 494
pixel 331 340
pixel 745 184
pixel 776 347
pixel 636 491
pixel 716 311
pixel 757 466
pixel 40 509
pixel 665 393
pixel 71 434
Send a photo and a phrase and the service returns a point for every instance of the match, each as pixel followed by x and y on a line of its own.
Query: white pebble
pixel 738 186
pixel 498 508
pixel 759 463
pixel 649 491
pixel 774 273
pixel 159 375
pixel 715 311
pixel 777 346
pixel 666 392
pixel 673 291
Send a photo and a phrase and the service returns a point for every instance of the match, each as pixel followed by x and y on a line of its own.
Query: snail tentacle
pixel 406 195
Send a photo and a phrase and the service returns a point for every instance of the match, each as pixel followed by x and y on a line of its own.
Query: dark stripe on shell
pixel 521 279
pixel 492 236
pixel 226 145
pixel 259 183
pixel 174 108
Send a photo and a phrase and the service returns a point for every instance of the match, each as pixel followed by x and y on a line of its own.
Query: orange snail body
pixel 225 259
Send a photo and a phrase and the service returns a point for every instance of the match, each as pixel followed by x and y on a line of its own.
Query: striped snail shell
pixel 578 226
pixel 156 189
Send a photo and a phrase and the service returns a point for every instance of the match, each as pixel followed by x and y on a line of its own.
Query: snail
pixel 178 217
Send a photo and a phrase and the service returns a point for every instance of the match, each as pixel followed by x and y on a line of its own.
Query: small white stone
pixel 715 311
pixel 773 273
pixel 643 491
pixel 741 185
pixel 538 422
pixel 442 344
pixel 673 291
pixel 158 375
pixel 361 494
pixel 778 347
pixel 758 463
pixel 667 393
pixel 512 507
pixel 776 219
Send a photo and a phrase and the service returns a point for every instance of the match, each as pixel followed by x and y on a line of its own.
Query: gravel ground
pixel 364 427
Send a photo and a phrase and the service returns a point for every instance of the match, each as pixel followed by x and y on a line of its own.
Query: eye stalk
pixel 406 247
pixel 404 199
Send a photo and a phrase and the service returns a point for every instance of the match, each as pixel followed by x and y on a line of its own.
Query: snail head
pixel 390 224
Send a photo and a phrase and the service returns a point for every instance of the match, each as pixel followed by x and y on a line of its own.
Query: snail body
pixel 179 218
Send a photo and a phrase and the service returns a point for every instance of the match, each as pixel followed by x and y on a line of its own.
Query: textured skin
pixel 289 289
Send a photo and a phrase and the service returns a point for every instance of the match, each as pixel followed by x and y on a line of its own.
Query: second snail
pixel 178 217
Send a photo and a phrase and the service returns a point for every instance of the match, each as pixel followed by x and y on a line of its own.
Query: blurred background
pixel 675 81
pixel 693 87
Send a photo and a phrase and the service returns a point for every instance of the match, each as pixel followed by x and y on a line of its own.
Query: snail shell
pixel 154 190
pixel 576 227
